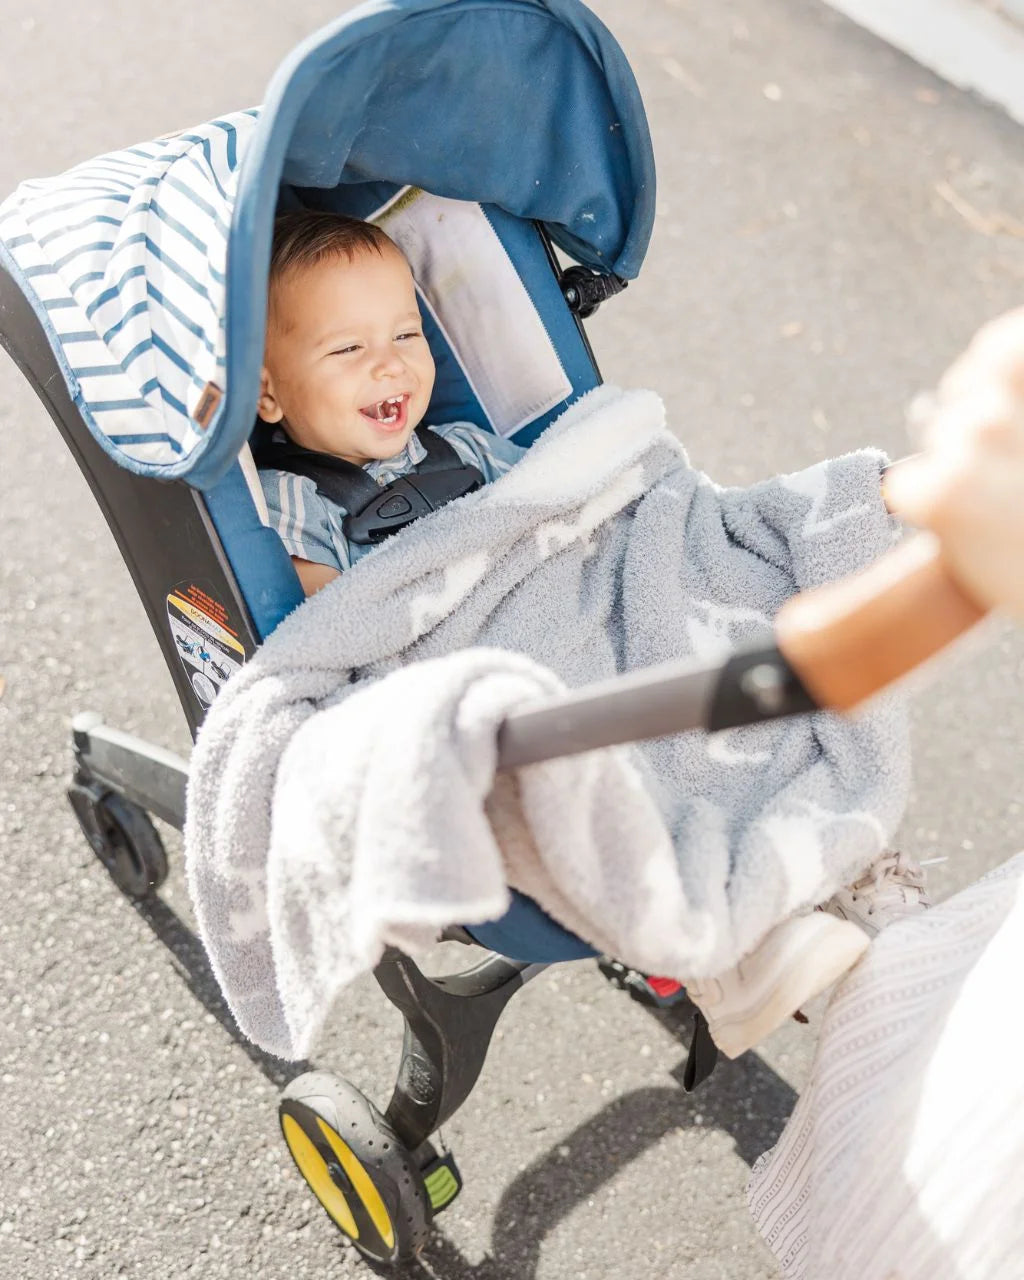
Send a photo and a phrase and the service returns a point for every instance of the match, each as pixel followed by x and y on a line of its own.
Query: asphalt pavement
pixel 833 223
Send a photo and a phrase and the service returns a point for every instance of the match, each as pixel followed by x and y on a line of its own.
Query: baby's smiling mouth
pixel 386 412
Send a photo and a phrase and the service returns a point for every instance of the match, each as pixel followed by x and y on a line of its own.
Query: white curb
pixel 966 42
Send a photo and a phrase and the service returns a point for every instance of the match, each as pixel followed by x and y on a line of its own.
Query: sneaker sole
pixel 818 963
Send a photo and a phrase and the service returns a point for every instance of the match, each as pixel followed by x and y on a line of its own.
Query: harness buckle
pixel 405 500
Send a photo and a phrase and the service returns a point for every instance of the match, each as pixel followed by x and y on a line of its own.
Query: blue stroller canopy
pixel 148 267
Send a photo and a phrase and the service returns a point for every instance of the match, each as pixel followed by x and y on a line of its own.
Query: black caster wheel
pixel 366 1180
pixel 122 837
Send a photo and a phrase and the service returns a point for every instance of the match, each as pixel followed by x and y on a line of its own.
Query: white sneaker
pixel 888 891
pixel 797 959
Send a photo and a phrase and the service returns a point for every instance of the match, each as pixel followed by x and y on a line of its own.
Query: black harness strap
pixel 441 456
pixel 375 511
pixel 340 481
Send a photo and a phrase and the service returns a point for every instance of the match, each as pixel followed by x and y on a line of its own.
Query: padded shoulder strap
pixel 343 482
pixel 440 454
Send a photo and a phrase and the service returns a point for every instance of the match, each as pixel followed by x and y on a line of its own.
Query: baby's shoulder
pixel 467 430
pixel 492 453
pixel 291 494
pixel 273 480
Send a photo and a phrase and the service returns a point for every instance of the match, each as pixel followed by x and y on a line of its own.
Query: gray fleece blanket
pixel 343 792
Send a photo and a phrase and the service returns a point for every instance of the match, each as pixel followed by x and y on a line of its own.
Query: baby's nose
pixel 389 362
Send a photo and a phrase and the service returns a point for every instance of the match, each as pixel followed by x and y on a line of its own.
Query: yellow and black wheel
pixel 355 1165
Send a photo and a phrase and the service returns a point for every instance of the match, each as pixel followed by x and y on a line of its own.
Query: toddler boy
pixel 347 372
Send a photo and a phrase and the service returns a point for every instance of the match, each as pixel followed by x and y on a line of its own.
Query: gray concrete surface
pixel 833 224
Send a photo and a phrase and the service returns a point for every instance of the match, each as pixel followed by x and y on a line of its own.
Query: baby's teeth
pixel 388 410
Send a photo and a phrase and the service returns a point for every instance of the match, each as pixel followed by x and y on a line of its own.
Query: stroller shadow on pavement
pixel 570 1173
pixel 194 967
pixel 548 1190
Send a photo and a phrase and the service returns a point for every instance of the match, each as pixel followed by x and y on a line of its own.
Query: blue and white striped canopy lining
pixel 125 256
pixel 124 259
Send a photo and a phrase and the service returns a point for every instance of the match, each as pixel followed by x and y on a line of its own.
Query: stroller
pixel 133 297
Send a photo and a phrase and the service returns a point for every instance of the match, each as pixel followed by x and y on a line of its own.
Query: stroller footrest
pixel 442 1180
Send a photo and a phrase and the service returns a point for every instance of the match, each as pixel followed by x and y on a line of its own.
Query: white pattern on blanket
pixel 332 812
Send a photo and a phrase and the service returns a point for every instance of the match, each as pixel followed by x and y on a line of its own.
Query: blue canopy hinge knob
pixel 584 290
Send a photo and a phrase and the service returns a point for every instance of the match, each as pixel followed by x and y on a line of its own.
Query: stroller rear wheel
pixel 122 837
pixel 367 1182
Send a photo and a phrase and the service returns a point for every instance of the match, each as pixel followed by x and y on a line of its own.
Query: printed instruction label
pixel 208 646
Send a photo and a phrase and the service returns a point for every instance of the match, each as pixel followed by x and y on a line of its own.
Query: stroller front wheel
pixel 367 1182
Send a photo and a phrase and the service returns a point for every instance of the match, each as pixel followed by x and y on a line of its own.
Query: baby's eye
pixel 344 351
pixel 410 333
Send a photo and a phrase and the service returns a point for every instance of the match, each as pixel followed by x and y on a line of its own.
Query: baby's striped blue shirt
pixel 310 526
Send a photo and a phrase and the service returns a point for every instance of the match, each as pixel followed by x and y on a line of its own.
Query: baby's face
pixel 347 369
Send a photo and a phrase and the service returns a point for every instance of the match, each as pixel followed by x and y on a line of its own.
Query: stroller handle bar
pixel 834 647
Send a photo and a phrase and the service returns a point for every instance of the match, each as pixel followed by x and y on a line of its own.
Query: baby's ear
pixel 267 406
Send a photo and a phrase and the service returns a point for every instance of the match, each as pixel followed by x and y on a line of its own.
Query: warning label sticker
pixel 208 646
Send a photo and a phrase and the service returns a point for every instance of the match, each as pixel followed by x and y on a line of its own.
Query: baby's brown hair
pixel 306 237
